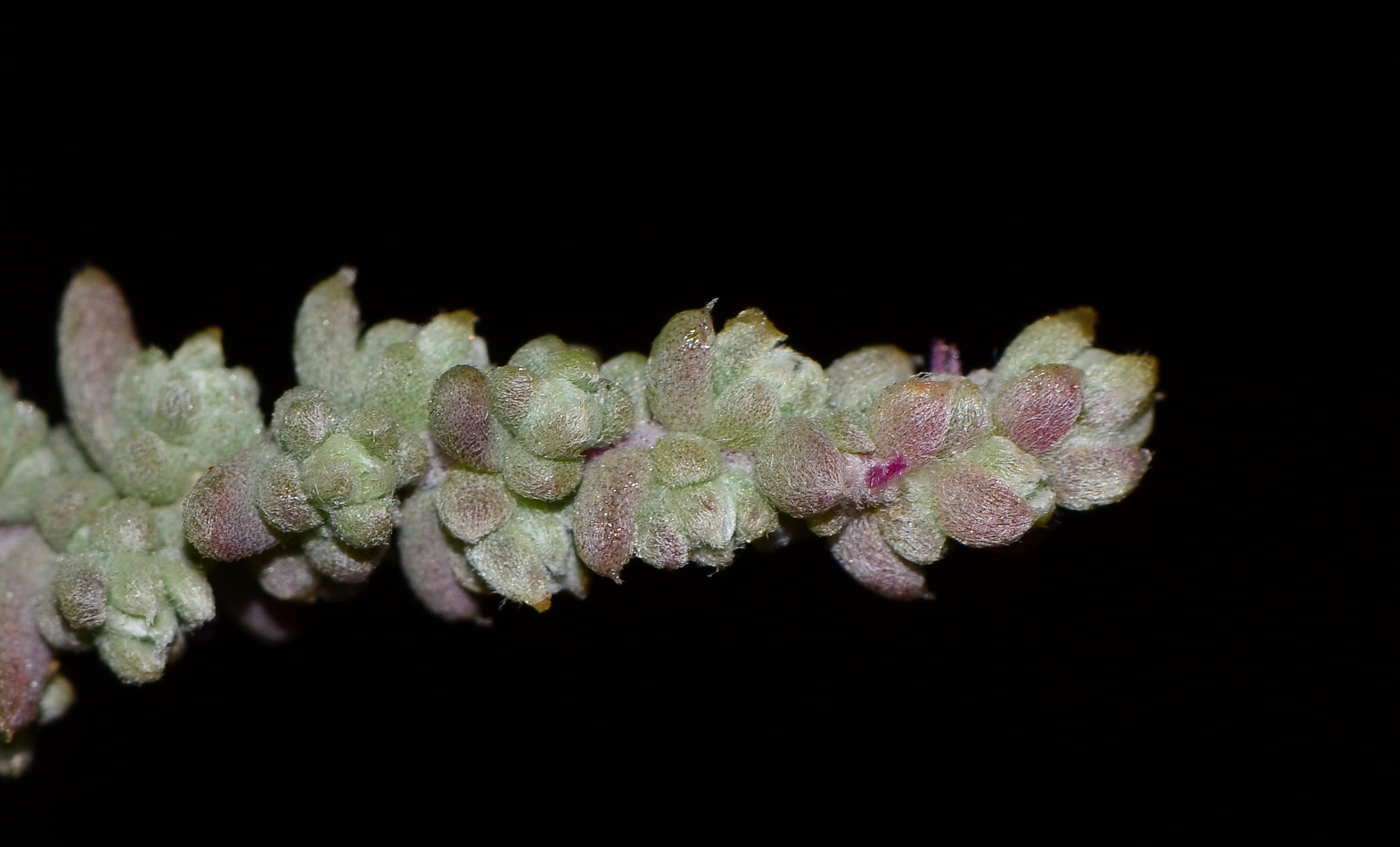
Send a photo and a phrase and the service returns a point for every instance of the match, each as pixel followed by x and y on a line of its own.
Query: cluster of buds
pixel 317 504
pixel 516 480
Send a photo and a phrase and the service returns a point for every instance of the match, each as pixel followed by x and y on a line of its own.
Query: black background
pixel 863 181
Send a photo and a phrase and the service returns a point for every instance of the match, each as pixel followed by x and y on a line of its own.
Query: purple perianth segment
pixel 943 358
pixel 882 472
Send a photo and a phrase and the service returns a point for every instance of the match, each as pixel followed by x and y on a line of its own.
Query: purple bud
pixel 457 416
pixel 1037 409
pixel 429 561
pixel 910 419
pixel 24 657
pixel 864 554
pixel 221 512
pixel 605 511
pixel 977 508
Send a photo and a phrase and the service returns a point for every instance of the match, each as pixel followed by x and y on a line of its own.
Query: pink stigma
pixel 943 358
pixel 880 474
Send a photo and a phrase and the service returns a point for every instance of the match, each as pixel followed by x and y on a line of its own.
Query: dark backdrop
pixel 863 181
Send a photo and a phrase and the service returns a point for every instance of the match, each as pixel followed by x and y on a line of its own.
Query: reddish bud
pixel 1038 408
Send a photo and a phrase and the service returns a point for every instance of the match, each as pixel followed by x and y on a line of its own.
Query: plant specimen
pixel 521 480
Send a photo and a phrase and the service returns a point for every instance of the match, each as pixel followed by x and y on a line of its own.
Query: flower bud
pixel 857 378
pixel 605 511
pixel 326 340
pixel 1037 408
pixel 799 468
pixel 221 513
pixel 302 418
pixel 281 498
pixel 1053 340
pixel 96 339
pixel 864 554
pixel 362 525
pixel 540 479
pixel 472 505
pixel 743 413
pixel 457 415
pixel 910 420
pixel 977 508
pixel 288 576
pixel 681 459
pixel 1085 472
pixel 515 560
pixel 339 561
pixel 1117 389
pixel 430 562
pixel 678 372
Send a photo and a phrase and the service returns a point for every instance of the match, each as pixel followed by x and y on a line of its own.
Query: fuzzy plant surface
pixel 519 480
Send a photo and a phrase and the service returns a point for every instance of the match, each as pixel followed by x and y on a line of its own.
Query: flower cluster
pixel 516 480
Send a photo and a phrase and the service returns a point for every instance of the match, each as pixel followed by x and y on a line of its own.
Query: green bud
pixel 363 525
pixel 540 479
pixel 458 417
pixel 473 505
pixel 449 340
pixel 69 502
pixel 288 576
pixel 390 443
pixel 281 498
pixel 339 561
pixel 1117 389
pixel 799 468
pixel 186 588
pixel 58 697
pixel 325 346
pixel 24 484
pixel 705 514
pixel 907 522
pixel 341 472
pixel 401 381
pixel 678 373
pixel 302 418
pixel 145 466
pixel 1049 341
pixel 628 372
pixel 848 430
pixel 747 339
pixel 857 378
pixel 134 585
pixel 561 422
pixel 134 658
pixel 743 413
pixel 515 560
pixel 127 524
pixel 681 459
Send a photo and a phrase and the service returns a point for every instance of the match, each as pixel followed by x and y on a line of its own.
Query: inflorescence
pixel 519 480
